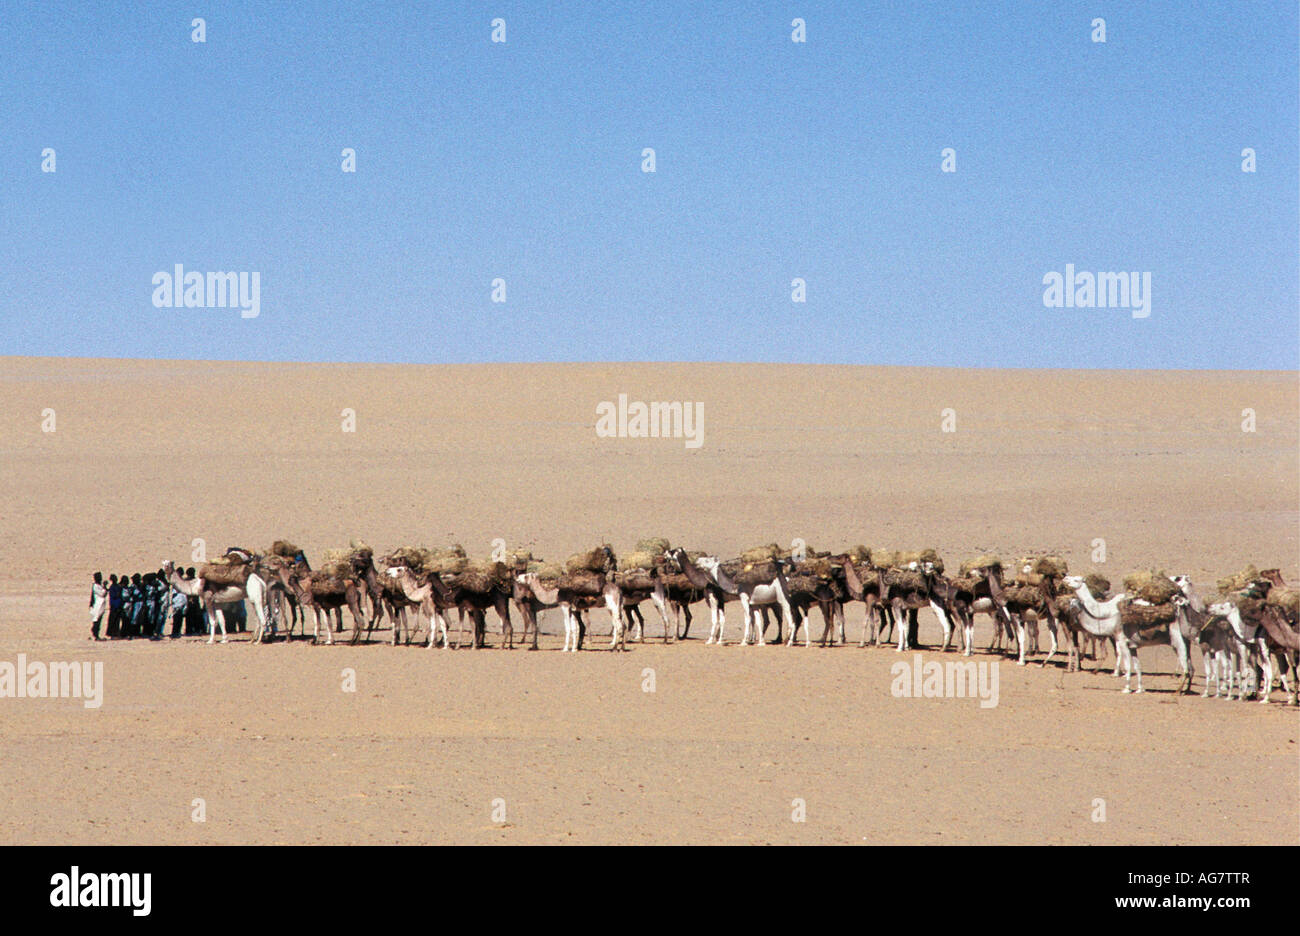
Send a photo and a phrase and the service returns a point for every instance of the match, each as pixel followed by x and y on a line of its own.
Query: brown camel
pixel 327 591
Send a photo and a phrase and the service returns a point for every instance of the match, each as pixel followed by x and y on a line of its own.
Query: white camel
pixel 753 598
pixel 253 590
pixel 1103 619
pixel 1252 650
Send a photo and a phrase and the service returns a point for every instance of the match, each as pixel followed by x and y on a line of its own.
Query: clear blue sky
pixel 775 160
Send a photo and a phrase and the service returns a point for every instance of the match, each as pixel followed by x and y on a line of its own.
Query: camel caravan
pixel 1242 632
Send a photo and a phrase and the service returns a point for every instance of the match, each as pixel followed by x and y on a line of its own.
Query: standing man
pixel 135 599
pixel 114 608
pixel 98 599
pixel 179 603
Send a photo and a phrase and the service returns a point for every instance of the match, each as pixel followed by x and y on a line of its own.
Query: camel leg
pixel 902 625
pixel 660 602
pixel 745 614
pixel 1266 686
pixel 943 622
pixel 1022 636
pixel 1051 630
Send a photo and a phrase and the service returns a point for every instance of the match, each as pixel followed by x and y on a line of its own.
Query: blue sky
pixel 775 160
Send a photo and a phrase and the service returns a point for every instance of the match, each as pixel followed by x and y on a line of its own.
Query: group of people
pixel 140 605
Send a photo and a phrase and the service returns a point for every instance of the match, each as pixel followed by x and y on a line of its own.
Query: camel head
pixel 1222 608
pixel 1074 582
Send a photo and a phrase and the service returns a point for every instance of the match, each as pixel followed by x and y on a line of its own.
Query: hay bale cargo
pixel 1098 585
pixel 224 573
pixel 1238 580
pixel 1034 570
pixel 860 554
pixel 1151 586
pixel 548 572
pixel 449 561
pixel 284 548
pixel 1144 616
pixel 1285 599
pixel 518 559
pixel 593 560
pixel 640 559
pixel 989 561
pixel 480 575
pixel 1028 595
pixel 415 558
pixel 654 544
pixel 636 578
pixel 757 554
pixel 905 578
pixel 583 582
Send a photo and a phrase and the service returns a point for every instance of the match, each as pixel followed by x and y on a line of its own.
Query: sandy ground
pixel 148 456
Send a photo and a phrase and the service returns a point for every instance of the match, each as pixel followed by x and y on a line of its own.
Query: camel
pixel 907 591
pixel 1218 655
pixel 245 583
pixel 432 596
pixel 865 586
pixel 637 585
pixel 702 582
pixel 755 588
pixel 1282 634
pixel 1248 632
pixel 680 592
pixel 1103 619
pixel 828 592
pixel 324 593
pixel 529 606
pixel 385 594
pixel 1108 619
pixel 574 594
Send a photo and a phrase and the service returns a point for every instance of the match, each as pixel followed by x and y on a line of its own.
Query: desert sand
pixel 145 457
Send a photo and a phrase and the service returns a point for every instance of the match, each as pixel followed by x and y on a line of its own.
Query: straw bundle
pixel 986 561
pixel 1285 599
pixel 548 572
pixel 591 561
pixel 415 558
pixel 1143 616
pixel 817 566
pixel 283 548
pixel 1028 595
pixel 1151 586
pixel 655 544
pixel 449 561
pixel 479 575
pixel 1034 570
pixel 640 559
pixel 759 554
pixel 1239 580
pixel 583 582
pixel 1099 585
pixel 908 579
pixel 518 559
pixel 751 573
pixel 636 578
pixel 224 573
pixel 860 554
